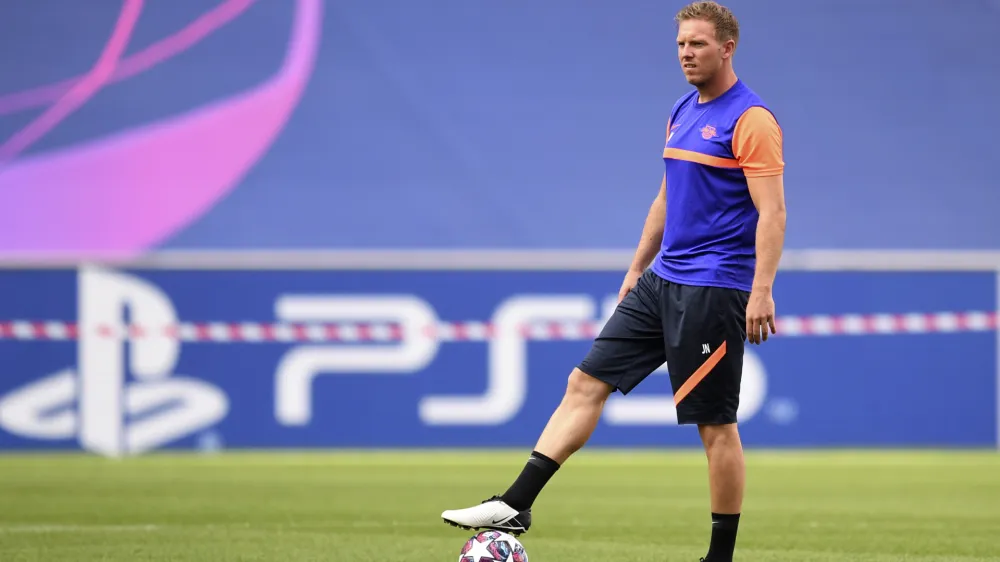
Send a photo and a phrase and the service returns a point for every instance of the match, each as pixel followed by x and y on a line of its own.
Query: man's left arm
pixel 758 147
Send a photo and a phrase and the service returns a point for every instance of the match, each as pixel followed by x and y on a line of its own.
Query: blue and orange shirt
pixel 709 237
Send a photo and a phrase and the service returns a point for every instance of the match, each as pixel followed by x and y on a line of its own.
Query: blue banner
pixel 341 119
pixel 443 361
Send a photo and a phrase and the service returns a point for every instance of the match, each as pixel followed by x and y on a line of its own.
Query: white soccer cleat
pixel 492 514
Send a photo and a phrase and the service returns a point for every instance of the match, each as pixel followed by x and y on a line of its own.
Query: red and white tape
pixel 352 332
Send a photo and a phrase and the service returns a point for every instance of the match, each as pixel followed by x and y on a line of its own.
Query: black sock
pixel 723 537
pixel 529 483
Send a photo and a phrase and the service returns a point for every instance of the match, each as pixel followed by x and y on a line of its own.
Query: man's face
pixel 699 52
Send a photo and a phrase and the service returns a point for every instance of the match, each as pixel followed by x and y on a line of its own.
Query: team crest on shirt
pixel 708 132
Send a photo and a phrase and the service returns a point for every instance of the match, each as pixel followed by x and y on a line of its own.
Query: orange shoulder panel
pixel 757 143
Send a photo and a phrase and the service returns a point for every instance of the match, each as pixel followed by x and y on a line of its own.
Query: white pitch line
pixel 78 528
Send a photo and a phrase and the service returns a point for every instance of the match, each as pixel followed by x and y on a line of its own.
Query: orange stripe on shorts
pixel 700 374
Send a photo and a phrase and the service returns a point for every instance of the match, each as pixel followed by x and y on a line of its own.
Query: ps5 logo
pixel 506 370
pixel 115 416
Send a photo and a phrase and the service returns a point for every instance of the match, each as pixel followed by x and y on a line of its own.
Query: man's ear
pixel 728 48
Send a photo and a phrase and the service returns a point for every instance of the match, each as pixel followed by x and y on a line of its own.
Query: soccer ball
pixel 493 546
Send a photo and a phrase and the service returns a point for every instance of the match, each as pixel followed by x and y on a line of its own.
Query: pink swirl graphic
pixel 137 63
pixel 117 196
pixel 83 90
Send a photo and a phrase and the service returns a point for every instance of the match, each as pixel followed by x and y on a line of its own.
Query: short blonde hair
pixel 726 26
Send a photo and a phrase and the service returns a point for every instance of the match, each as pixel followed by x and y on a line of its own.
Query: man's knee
pixel 582 387
pixel 721 436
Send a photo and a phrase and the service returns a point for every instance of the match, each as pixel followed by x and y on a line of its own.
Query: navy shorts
pixel 699 332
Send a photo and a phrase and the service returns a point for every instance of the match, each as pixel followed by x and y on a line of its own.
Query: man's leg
pixel 567 431
pixel 726 480
pixel 703 329
pixel 574 420
pixel 629 348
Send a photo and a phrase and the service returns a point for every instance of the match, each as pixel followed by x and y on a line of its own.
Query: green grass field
pixel 601 507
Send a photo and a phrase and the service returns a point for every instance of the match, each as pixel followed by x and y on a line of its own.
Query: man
pixel 708 290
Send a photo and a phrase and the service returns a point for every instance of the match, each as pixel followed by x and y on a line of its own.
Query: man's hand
pixel 631 278
pixel 760 315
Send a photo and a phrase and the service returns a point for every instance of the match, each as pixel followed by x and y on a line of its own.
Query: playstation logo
pixel 115 416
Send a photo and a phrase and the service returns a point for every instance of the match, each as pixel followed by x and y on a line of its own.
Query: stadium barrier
pixel 465 350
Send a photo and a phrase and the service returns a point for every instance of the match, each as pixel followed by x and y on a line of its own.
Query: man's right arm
pixel 652 231
pixel 649 244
